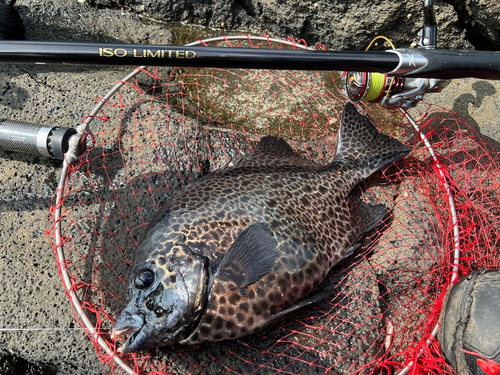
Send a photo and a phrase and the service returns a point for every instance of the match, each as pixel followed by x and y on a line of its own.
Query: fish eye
pixel 144 279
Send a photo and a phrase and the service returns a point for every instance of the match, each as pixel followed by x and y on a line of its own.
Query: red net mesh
pixel 167 127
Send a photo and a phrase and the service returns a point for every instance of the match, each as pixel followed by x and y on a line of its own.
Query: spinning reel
pixel 392 90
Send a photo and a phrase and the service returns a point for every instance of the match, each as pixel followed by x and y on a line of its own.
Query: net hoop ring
pixel 72 154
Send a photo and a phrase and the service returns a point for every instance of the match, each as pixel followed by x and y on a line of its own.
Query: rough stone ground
pixel 31 296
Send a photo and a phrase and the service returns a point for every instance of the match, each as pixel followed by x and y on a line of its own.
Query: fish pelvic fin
pixel 362 147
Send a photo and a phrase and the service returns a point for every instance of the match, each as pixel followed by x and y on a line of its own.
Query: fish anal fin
pixel 250 257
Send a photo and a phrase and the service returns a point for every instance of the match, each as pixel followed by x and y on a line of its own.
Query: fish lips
pixel 133 325
pixel 139 333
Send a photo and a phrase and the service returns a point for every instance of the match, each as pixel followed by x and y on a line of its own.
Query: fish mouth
pixel 139 334
pixel 121 332
pixel 128 346
pixel 139 339
pixel 133 326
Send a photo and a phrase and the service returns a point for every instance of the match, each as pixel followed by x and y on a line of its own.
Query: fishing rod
pixel 396 78
pixel 194 56
pixel 405 62
pixel 426 62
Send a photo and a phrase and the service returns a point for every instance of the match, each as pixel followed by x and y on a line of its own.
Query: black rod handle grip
pixel 38 139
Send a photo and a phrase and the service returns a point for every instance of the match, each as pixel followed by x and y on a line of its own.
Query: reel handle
pixel 25 137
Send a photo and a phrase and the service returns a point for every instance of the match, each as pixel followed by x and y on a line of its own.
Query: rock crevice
pixel 481 20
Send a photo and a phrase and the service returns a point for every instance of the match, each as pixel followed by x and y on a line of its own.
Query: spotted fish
pixel 246 245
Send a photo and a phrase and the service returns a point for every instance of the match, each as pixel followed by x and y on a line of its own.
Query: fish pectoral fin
pixel 250 257
pixel 302 305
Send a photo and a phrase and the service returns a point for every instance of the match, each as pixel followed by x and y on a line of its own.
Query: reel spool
pixel 371 87
pixel 390 92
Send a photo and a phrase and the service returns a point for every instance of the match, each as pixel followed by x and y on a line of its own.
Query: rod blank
pixel 196 56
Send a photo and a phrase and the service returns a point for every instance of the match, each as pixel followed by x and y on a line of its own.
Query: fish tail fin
pixel 361 145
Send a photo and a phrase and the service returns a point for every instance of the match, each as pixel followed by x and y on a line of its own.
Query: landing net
pixel 165 127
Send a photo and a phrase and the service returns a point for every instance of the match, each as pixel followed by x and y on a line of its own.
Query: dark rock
pixel 12 365
pixel 338 25
pixel 481 19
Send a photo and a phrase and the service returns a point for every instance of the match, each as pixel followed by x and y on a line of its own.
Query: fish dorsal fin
pixel 250 257
pixel 361 145
pixel 268 145
pixel 274 146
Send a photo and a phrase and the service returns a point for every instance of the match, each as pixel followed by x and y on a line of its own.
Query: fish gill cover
pixel 168 127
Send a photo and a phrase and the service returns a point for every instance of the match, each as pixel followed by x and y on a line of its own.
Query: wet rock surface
pixel 38 330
